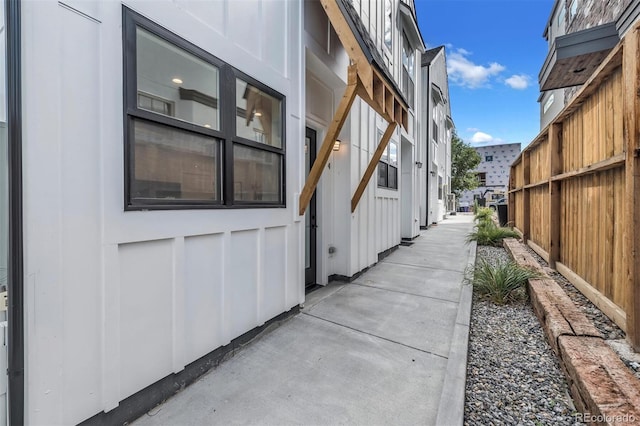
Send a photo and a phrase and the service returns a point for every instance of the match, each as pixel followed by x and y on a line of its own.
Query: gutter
pixel 15 312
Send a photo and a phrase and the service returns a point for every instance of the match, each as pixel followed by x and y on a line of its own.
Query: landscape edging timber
pixel 600 384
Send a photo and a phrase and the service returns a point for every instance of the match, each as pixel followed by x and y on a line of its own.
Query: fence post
pixel 555 168
pixel 511 199
pixel 631 76
pixel 526 170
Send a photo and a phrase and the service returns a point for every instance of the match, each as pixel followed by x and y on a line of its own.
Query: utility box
pixel 502 214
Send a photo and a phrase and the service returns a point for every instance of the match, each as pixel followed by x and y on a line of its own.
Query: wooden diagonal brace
pixel 372 164
pixel 327 144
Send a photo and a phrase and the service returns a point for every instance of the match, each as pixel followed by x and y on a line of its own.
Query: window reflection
pixel 387 24
pixel 175 83
pixel 172 164
pixel 258 116
pixel 256 175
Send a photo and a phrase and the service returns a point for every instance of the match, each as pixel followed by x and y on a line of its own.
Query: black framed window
pixel 408 70
pixel 387 24
pixel 193 138
pixel 482 178
pixel 388 165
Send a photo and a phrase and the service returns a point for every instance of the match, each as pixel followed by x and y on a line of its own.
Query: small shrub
pixel 484 214
pixel 486 233
pixel 503 283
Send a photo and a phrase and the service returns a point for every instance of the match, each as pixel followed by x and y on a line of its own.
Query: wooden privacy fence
pixel 574 192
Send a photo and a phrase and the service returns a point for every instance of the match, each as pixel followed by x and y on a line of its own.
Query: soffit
pixel 574 57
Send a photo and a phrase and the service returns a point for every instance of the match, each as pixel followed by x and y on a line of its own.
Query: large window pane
pixel 258 115
pixel 387 24
pixel 175 83
pixel 382 174
pixel 170 82
pixel 173 164
pixel 385 153
pixel 393 153
pixel 408 56
pixel 393 177
pixel 256 175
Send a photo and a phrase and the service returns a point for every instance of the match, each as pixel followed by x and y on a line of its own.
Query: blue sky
pixel 494 50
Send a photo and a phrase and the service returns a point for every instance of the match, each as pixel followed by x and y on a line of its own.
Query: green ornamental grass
pixel 486 233
pixel 503 283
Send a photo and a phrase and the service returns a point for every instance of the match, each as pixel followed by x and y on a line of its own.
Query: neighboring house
pixel 492 172
pixel 436 131
pixel 160 199
pixel 580 34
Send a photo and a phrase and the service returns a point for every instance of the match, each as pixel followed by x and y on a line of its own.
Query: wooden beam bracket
pixel 372 164
pixel 327 145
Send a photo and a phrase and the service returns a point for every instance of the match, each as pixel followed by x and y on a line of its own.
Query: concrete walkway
pixel 388 348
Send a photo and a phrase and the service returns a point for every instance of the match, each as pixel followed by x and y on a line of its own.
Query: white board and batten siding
pixel 117 300
pixel 374 227
pixel 375 224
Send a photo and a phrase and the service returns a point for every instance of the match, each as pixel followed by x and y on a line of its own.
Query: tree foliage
pixel 464 159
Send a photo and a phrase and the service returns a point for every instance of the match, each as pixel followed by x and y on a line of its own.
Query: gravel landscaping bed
pixel 513 377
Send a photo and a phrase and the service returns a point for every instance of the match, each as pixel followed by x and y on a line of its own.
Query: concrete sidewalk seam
pixel 373 335
pixel 403 292
pixel 422 266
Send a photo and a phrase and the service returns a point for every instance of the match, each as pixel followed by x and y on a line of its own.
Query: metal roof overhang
pixel 574 57
pixel 628 17
pixel 450 123
pixel 437 94
pixel 411 27
pixel 367 78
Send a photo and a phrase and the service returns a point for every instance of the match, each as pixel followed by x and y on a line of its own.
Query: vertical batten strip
pixel 178 290
pixel 111 328
pixel 260 267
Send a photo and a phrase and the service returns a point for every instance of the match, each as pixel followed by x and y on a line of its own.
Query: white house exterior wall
pixel 117 300
pixel 436 156
pixel 356 238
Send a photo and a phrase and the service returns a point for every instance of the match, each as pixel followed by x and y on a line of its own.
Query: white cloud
pixel 464 72
pixel 518 81
pixel 481 138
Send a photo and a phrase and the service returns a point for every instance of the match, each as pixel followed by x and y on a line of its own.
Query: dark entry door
pixel 310 216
